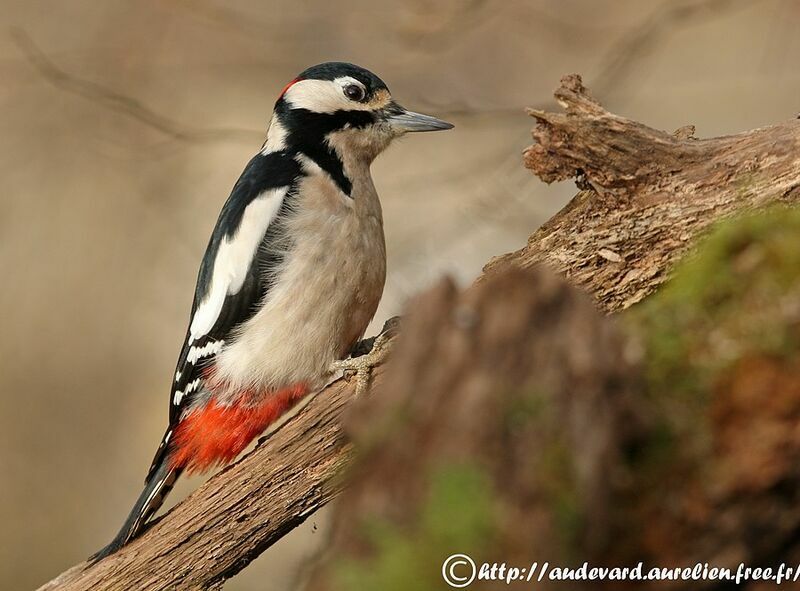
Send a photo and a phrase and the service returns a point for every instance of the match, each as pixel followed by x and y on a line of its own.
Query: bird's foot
pixel 367 355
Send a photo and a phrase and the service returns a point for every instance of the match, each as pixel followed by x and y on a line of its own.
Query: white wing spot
pixel 189 389
pixel 210 348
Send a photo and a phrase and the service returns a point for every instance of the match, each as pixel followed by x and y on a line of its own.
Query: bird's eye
pixel 354 92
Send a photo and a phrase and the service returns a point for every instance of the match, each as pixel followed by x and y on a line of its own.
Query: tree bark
pixel 499 403
pixel 239 513
pixel 647 195
pixel 518 425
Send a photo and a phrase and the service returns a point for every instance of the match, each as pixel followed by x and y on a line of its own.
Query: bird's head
pixel 345 108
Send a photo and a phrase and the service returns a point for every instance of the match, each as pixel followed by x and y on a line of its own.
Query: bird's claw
pixel 361 367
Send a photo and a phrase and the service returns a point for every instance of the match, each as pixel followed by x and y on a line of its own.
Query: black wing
pixel 232 278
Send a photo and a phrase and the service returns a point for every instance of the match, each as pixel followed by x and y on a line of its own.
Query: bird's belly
pixel 323 298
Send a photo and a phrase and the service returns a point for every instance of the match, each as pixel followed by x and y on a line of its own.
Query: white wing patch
pixel 234 257
pixel 178 396
pixel 209 349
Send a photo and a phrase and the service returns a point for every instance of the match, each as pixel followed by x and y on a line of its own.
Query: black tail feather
pixel 159 483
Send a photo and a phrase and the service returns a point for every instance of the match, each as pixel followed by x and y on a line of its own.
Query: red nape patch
pixel 216 434
pixel 288 86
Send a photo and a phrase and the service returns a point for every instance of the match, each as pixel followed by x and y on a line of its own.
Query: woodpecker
pixel 291 277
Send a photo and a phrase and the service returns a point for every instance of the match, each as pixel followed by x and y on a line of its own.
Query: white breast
pixel 325 293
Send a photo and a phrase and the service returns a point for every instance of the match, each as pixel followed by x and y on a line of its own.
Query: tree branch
pixel 115 101
pixel 647 195
pixel 499 402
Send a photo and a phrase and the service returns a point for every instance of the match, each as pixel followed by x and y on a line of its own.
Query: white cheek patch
pixel 234 257
pixel 324 96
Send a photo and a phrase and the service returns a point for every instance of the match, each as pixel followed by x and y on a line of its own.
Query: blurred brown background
pixel 125 123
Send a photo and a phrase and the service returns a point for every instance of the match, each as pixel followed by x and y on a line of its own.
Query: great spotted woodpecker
pixel 291 277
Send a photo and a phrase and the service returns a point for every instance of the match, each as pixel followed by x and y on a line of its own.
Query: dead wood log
pixel 529 428
pixel 499 404
pixel 647 195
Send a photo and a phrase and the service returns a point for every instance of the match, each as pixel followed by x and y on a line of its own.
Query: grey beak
pixel 410 121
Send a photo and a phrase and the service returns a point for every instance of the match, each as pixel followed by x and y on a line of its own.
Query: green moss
pixel 459 509
pixel 737 296
pixel 457 516
pixel 557 479
pixel 523 408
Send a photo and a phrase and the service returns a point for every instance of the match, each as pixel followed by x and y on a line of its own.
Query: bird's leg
pixel 367 355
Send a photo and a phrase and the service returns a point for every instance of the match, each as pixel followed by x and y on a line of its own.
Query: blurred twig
pixel 119 102
pixel 641 40
pixel 245 25
pixel 630 49
pixel 469 15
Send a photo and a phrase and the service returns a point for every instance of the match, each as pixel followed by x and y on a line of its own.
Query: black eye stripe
pixel 354 92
